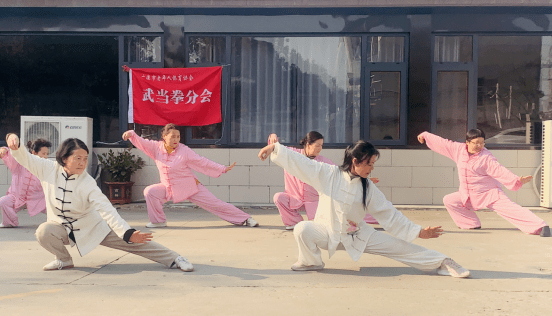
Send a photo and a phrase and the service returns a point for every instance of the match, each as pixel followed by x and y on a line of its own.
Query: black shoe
pixel 545 231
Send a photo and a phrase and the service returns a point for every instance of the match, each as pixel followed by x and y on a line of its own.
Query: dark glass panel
pixel 385 49
pixel 452 104
pixel 453 49
pixel 60 76
pixel 514 80
pixel 385 105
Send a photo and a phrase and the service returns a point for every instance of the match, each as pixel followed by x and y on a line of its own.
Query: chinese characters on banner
pixel 183 96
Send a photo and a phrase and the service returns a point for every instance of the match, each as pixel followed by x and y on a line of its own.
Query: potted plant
pixel 119 167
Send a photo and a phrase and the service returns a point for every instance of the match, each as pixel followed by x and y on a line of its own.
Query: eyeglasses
pixel 477 143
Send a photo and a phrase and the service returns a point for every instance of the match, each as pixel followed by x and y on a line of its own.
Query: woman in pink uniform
pixel 25 188
pixel 481 177
pixel 175 162
pixel 298 195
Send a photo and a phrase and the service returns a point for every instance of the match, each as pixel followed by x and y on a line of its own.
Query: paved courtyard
pixel 246 271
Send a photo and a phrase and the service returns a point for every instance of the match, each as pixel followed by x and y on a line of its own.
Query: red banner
pixel 183 96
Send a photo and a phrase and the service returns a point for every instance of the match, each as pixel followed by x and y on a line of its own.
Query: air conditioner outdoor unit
pixel 546 165
pixel 56 129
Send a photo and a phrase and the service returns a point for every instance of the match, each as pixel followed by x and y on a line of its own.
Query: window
pixel 386 79
pixel 513 87
pixel 205 51
pixel 382 49
pixel 453 49
pixel 56 75
pixel 293 85
pixel 453 88
pixel 142 49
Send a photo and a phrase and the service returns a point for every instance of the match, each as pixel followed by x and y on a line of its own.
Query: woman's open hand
pixel 230 167
pixel 431 232
pixel 525 179
pixel 140 238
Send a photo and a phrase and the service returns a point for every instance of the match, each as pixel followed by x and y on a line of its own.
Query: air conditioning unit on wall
pixel 56 129
pixel 546 165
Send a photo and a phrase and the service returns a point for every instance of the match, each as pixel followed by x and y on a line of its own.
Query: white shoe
pixel 251 222
pixel 58 265
pixel 290 227
pixel 298 266
pixel 183 264
pixel 156 225
pixel 7 225
pixel 450 267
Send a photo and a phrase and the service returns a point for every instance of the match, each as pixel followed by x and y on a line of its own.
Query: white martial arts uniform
pixel 340 214
pixel 79 214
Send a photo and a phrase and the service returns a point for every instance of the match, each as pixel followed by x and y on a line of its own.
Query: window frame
pixel 227 93
pixel 472 85
pixel 469 67
pixel 402 68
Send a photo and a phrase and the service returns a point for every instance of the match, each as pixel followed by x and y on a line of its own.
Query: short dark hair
pixel 37 145
pixel 67 148
pixel 310 138
pixel 474 133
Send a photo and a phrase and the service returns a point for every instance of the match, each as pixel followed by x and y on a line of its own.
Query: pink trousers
pixel 156 195
pixel 10 206
pixel 520 217
pixel 289 207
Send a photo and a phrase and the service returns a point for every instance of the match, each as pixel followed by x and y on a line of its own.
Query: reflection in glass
pixel 144 49
pixel 513 87
pixel 453 49
pixel 206 50
pixel 452 104
pixel 385 49
pixel 385 101
pixel 293 85
pixel 60 76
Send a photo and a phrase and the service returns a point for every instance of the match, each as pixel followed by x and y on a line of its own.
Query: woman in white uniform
pixel 346 196
pixel 79 214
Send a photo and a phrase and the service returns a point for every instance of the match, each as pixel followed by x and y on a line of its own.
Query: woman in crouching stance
pixel 346 196
pixel 78 213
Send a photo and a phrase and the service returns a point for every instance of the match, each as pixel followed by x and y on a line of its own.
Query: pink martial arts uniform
pixel 178 182
pixel 480 177
pixel 25 189
pixel 299 196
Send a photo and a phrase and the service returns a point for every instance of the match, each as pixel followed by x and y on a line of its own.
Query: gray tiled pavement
pixel 245 271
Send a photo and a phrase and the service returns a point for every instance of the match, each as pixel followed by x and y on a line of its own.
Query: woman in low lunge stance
pixel 480 177
pixel 346 196
pixel 175 162
pixel 298 195
pixel 78 214
pixel 25 188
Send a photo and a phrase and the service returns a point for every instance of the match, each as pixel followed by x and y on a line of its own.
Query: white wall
pixel 406 176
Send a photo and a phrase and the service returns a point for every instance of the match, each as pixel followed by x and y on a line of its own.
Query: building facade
pixel 370 70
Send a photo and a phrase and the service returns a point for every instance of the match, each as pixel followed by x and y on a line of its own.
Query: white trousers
pixel 311 237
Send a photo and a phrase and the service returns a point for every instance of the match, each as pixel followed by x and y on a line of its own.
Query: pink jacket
pixel 298 188
pixel 175 169
pixel 25 187
pixel 480 174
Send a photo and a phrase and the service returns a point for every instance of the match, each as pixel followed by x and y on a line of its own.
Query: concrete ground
pixel 246 271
